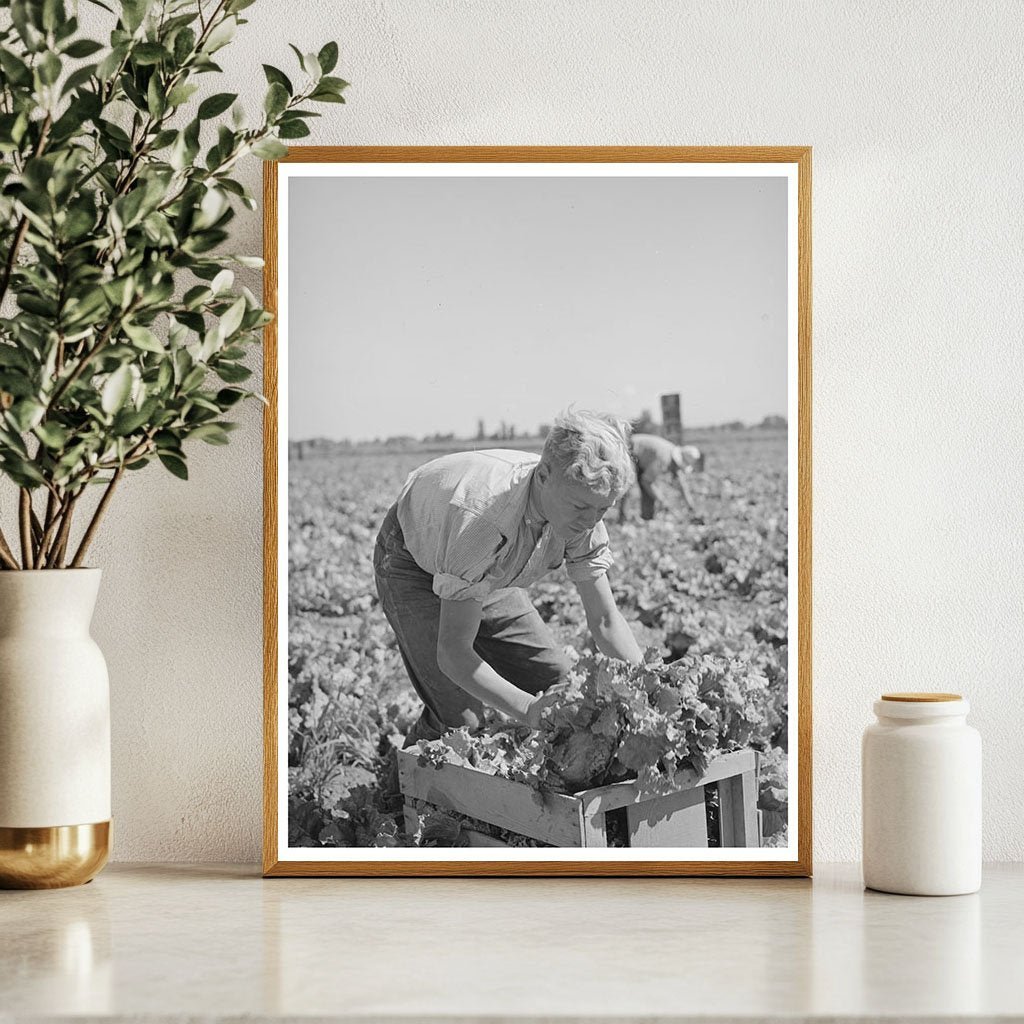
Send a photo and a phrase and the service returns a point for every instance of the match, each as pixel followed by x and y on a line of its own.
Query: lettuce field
pixel 706 594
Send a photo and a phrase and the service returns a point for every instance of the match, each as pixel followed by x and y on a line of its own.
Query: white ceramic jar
pixel 921 789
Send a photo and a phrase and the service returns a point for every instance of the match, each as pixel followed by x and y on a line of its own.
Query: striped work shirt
pixel 471 521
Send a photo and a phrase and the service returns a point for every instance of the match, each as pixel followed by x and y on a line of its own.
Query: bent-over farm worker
pixel 468 533
pixel 653 457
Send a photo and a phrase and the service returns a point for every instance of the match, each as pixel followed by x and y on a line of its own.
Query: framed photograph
pixel 538 511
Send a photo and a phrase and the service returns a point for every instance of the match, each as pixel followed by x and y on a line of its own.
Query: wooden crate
pixel 676 820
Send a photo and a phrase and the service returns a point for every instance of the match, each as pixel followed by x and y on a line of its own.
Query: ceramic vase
pixel 54 731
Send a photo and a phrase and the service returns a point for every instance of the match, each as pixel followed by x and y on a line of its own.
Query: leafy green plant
pixel 619 721
pixel 124 334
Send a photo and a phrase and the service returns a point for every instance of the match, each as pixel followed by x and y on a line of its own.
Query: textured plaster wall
pixel 914 113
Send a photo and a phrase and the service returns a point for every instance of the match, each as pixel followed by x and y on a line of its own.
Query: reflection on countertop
pixel 179 941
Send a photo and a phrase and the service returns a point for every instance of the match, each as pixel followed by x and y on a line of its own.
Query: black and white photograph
pixel 537 520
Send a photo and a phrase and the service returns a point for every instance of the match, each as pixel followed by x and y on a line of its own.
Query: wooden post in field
pixel 672 418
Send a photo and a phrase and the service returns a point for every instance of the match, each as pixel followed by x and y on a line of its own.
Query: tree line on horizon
pixel 642 424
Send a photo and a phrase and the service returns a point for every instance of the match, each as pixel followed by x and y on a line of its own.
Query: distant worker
pixel 653 456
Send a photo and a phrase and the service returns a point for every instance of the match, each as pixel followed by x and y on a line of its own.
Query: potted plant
pixel 122 340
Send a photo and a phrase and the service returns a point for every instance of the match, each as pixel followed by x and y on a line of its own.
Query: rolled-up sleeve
pixel 467 550
pixel 589 556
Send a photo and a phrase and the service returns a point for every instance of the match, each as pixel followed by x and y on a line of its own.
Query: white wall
pixel 914 113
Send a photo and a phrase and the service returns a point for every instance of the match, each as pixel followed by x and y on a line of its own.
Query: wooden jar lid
pixel 921 698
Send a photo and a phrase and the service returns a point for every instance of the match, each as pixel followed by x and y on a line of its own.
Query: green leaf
pixel 221 35
pixel 133 13
pixel 128 421
pixel 149 53
pixel 211 433
pixel 227 397
pixel 49 68
pixel 275 76
pixel 211 208
pixel 144 338
pixel 234 6
pixel 116 133
pixel 269 149
pixel 26 414
pixel 232 373
pixel 66 30
pixel 111 63
pixel 116 390
pixel 83 48
pixel 21 471
pixel 78 222
pixel 53 435
pixel 164 376
pixel 54 15
pixel 129 207
pixel 335 84
pixel 181 93
pixel 175 464
pixel 196 296
pixel 255 262
pixel 26 20
pixel 14 68
pixel 211 343
pixel 162 139
pixel 119 291
pixel 216 104
pixel 87 309
pixel 185 147
pixel 184 44
pixel 326 96
pixel 11 440
pixel 193 379
pixel 167 441
pixel 311 66
pixel 13 356
pixel 193 321
pixel 293 130
pixel 20 127
pixel 222 282
pixel 77 79
pixel 34 304
pixel 232 319
pixel 276 99
pixel 156 99
pixel 328 57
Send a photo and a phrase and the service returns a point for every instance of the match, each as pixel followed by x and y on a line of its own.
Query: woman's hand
pixel 542 701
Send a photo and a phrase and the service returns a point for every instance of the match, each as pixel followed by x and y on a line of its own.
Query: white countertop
pixel 177 941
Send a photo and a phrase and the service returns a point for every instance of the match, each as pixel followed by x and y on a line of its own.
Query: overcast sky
pixel 420 305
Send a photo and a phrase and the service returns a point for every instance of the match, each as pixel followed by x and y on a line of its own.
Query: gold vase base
pixel 52 858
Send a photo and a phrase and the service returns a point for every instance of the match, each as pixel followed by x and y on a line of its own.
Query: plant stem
pixel 56 556
pixel 25 520
pixel 87 356
pixel 19 237
pixel 97 516
pixel 6 555
pixel 51 510
pixel 37 529
pixel 54 507
pixel 19 234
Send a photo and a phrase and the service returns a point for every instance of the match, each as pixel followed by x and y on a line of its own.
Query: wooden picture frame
pixel 585 813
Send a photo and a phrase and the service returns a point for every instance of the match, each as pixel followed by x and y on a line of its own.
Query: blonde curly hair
pixel 592 449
